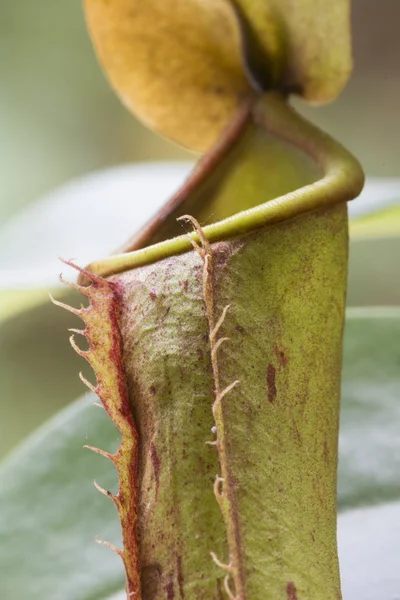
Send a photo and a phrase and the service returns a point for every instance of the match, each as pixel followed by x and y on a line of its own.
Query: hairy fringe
pixel 104 354
pixel 223 487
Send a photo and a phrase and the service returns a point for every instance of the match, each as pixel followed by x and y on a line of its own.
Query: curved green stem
pixel 342 180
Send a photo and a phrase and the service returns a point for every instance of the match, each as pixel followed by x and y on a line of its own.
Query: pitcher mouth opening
pixel 334 177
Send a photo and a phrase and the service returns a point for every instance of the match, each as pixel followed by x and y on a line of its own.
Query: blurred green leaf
pixel 374 268
pixel 369 433
pixel 48 124
pixel 85 218
pixel 38 371
pixel 385 222
pixel 50 511
pixel 379 200
pixel 13 302
pixel 374 271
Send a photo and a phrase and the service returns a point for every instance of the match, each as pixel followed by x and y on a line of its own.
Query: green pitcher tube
pixel 237 413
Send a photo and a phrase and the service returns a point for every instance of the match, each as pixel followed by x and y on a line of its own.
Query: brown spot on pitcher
pixel 291 591
pixel 271 385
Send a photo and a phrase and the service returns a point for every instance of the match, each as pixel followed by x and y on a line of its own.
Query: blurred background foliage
pixel 60 119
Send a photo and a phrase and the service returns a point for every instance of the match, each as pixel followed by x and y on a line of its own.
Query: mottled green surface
pixel 170 382
pixel 282 418
pixel 285 348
